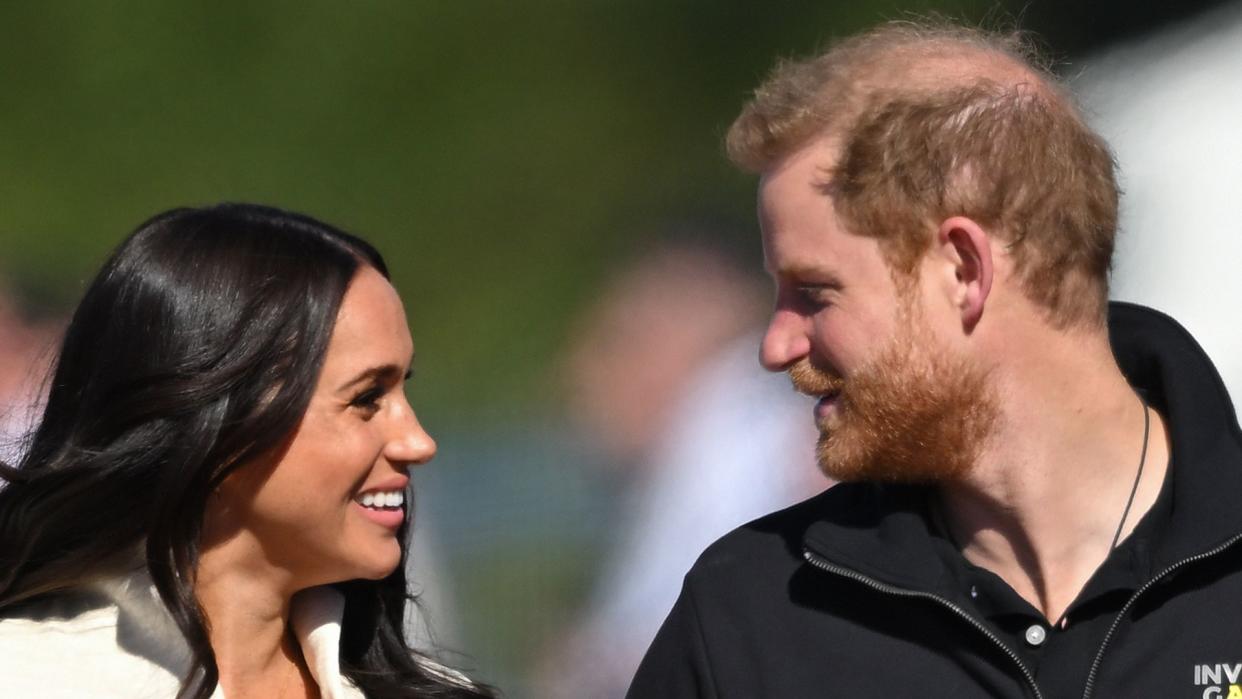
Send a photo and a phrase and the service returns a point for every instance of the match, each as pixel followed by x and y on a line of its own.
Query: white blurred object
pixel 739 443
pixel 1170 105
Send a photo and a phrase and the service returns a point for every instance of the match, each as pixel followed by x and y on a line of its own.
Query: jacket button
pixel 1035 635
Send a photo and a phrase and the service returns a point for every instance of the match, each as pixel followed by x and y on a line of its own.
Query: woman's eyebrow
pixel 382 373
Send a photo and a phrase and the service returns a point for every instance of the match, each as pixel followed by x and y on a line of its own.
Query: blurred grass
pixel 500 154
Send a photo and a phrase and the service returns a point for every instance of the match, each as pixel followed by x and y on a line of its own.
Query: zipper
pixel 825 565
pixel 1099 654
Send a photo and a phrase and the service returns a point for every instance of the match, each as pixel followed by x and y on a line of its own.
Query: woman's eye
pixel 368 401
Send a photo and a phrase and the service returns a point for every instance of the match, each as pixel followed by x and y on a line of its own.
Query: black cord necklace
pixel 1137 477
pixel 1061 621
pixel 943 525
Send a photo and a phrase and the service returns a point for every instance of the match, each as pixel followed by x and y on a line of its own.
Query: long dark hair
pixel 195 349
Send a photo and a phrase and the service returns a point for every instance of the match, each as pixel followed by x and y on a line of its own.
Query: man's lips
pixel 820 384
pixel 826 405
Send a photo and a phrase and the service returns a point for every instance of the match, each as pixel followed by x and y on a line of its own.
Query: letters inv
pixel 1215 677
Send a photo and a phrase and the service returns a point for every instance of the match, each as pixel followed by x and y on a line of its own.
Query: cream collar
pixel 146 628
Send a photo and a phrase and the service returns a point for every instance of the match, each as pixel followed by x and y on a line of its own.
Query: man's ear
pixel 968 247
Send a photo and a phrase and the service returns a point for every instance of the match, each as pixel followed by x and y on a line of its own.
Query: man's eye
pixel 814 295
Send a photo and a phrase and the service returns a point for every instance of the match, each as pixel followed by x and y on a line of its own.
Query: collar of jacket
pixel 315 616
pixel 883 532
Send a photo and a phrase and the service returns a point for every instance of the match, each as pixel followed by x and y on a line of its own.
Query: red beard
pixel 911 414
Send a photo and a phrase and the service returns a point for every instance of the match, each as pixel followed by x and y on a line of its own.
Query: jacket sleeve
pixel 676 665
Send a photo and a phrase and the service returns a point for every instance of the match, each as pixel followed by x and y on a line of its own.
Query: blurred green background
pixel 503 156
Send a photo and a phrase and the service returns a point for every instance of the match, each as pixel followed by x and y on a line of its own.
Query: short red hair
pixel 935 121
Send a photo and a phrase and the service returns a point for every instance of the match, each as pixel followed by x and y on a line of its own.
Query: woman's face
pixel 328 506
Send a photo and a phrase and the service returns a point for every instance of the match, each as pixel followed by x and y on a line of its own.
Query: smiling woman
pixel 214 501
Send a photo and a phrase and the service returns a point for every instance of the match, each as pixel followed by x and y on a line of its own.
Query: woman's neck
pixel 247 610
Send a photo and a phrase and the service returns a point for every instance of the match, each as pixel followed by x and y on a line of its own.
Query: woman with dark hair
pixel 214 501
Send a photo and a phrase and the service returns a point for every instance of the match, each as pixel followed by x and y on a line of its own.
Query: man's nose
pixel 785 341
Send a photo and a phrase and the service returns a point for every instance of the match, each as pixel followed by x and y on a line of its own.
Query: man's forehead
pixel 795 187
pixel 809 161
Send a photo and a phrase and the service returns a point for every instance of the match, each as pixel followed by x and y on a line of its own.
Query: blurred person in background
pixel 663 372
pixel 27 347
pixel 214 501
pixel 1041 488
pixel 1170 105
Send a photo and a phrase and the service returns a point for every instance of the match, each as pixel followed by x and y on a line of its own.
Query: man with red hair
pixel 1041 491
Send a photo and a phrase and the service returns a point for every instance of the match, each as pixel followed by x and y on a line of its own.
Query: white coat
pixel 116 640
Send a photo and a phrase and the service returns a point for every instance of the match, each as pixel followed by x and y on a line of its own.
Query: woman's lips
pixel 389 517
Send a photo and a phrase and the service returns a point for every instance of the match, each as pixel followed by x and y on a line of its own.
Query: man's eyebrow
pixel 812 275
pixel 384 373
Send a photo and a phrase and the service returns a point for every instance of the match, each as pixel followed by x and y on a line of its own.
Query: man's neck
pixel 1044 503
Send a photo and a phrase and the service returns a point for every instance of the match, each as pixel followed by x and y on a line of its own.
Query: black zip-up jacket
pixel 855 593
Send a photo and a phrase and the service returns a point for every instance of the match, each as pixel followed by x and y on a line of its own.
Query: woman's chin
pixel 373 561
pixel 382 563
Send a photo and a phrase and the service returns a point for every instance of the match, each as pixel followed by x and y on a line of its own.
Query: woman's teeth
pixel 382 499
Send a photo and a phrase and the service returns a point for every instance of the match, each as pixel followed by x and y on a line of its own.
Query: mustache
pixel 813 381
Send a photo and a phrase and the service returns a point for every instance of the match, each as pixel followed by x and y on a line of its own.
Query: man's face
pixel 896 404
